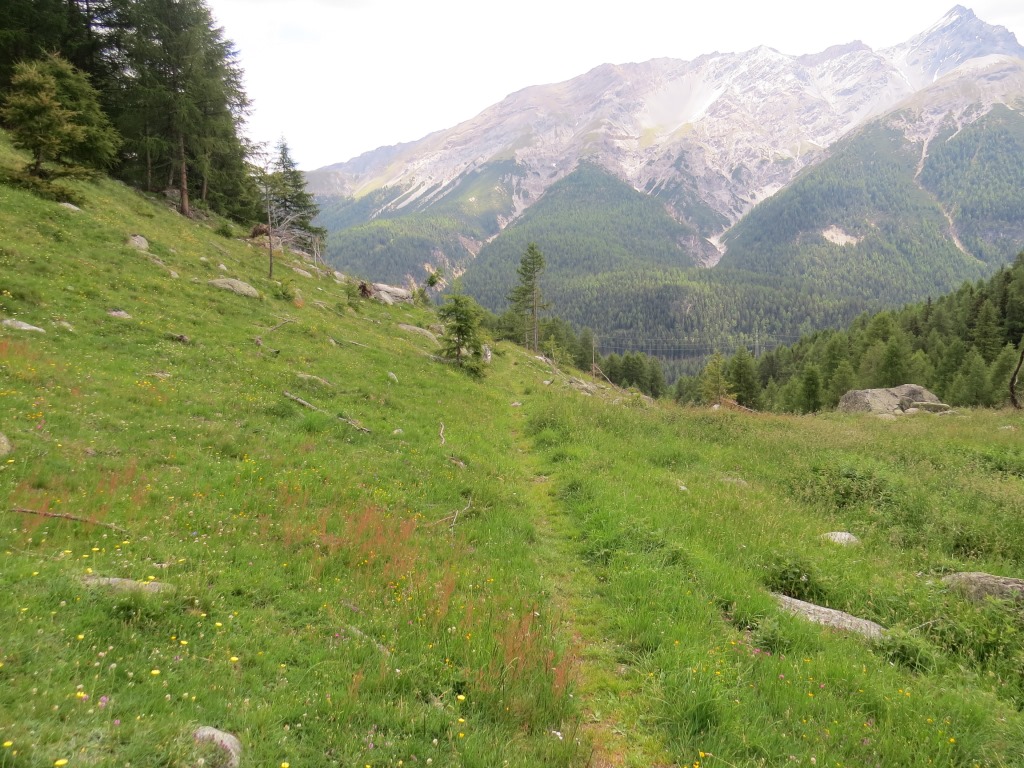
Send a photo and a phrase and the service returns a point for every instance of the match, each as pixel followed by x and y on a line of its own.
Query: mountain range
pixel 854 177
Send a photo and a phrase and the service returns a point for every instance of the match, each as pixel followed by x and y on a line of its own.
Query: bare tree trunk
pixel 1013 379
pixel 270 236
pixel 184 206
pixel 149 168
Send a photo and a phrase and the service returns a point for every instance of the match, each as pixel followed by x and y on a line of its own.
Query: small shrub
pixel 285 291
pixel 907 650
pixel 225 230
pixel 793 577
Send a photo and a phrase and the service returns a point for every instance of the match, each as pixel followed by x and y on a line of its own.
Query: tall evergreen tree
pixel 526 298
pixel 743 377
pixel 714 383
pixel 810 389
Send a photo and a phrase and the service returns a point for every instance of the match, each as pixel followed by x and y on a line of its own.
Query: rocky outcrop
pixel 389 294
pixel 235 286
pixel 894 400
pixel 830 617
pixel 978 586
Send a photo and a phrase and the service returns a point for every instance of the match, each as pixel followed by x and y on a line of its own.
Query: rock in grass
pixel 420 331
pixel 127 585
pixel 314 379
pixel 119 313
pixel 841 537
pixel 226 741
pixel 18 325
pixel 138 241
pixel 235 286
pixel 830 617
pixel 6 447
pixel 977 586
pixel 894 400
pixel 69 206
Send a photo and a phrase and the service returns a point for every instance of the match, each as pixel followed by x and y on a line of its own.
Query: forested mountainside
pixel 962 346
pixel 812 188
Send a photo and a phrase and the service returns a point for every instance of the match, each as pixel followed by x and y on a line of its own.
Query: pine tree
pixel 656 383
pixel 714 384
pixel 38 120
pixel 987 335
pixel 291 202
pixel 743 377
pixel 842 381
pixel 526 298
pixel 461 340
pixel 810 389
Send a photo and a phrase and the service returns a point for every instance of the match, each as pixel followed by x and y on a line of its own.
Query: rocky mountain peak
pixel 710 137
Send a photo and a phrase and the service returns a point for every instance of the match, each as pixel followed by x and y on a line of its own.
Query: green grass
pixel 534 588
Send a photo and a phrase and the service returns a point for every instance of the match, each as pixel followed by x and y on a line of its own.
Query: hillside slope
pixel 500 572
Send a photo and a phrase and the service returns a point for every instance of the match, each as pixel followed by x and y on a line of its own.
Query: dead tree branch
pixel 305 404
pixel 441 434
pixel 283 322
pixel 63 516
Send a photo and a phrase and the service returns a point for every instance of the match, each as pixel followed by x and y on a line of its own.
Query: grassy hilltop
pixel 498 572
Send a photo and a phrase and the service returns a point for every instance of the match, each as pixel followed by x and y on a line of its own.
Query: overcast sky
pixel 337 78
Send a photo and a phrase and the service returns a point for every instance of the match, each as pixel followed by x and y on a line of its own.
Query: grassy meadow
pixel 503 572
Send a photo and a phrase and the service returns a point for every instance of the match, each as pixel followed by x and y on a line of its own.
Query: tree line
pixel 964 347
pixel 148 90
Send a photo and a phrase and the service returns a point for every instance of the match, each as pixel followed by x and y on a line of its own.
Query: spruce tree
pixel 743 377
pixel 810 389
pixel 714 383
pixel 526 298
pixel 461 340
pixel 39 122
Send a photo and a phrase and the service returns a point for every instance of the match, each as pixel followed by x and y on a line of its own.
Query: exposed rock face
pixel 725 129
pixel 977 586
pixel 235 286
pixel 830 617
pixel 895 400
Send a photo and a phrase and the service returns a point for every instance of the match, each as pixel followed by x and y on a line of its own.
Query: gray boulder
pixel 6 448
pixel 841 537
pixel 390 294
pixel 977 586
pixel 18 325
pixel 830 617
pixel 421 331
pixel 228 742
pixel 138 241
pixel 235 286
pixel 894 400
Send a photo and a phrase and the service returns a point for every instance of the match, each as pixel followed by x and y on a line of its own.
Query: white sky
pixel 337 78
